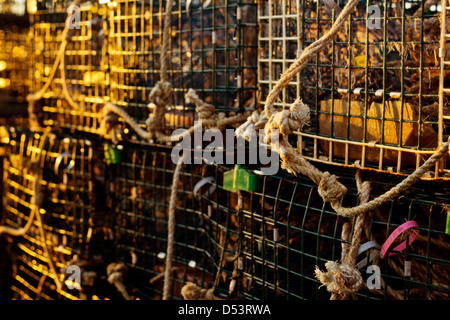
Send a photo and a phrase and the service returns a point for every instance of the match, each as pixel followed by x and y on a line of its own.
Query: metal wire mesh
pixel 139 189
pixel 14 63
pixel 68 211
pixel 268 247
pixel 247 245
pixel 116 56
pixel 212 49
pixel 85 60
pixel 374 90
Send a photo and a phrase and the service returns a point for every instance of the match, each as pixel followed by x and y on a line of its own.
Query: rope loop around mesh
pixel 340 278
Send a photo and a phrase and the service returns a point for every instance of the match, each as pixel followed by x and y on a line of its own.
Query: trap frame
pixel 269 247
pixel 84 65
pixel 14 63
pixel 374 92
pixel 115 56
pixel 67 211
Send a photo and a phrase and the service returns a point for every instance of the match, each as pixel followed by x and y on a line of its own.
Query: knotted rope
pixel 340 279
pixel 161 94
pixel 116 273
pixel 343 279
pixel 192 292
pixel 286 122
pixel 208 116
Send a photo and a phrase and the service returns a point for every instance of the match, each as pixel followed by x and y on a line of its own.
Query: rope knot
pixel 330 189
pixel 205 111
pixel 192 292
pixel 161 93
pixel 340 279
pixel 289 121
pixel 116 273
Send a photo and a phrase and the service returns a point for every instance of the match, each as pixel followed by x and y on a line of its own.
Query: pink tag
pixel 397 232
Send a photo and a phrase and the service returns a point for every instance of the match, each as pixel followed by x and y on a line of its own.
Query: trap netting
pixel 285 231
pixel 14 66
pixel 373 90
pixel 263 244
pixel 53 175
pixel 139 185
pixel 266 244
pixel 113 54
pixel 212 49
pixel 68 69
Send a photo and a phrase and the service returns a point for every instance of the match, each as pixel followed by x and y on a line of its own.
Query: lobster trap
pixel 14 65
pixel 114 56
pixel 212 49
pixel 63 167
pixel 75 74
pixel 139 188
pixel 266 244
pixel 377 95
pixel 375 91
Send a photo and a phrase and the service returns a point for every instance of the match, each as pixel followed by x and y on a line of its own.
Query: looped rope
pixel 330 189
pixel 208 116
pixel 161 94
pixel 344 279
pixel 192 292
pixel 340 279
pixel 116 273
pixel 289 121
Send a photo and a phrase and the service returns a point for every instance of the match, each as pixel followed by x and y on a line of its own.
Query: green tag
pixel 112 155
pixel 240 179
pixel 447 227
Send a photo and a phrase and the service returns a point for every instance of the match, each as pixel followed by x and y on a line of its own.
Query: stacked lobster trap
pixel 14 64
pixel 113 54
pixel 374 90
pixel 377 94
pixel 48 191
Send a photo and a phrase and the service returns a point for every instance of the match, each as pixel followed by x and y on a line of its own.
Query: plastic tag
pixel 112 155
pixel 240 179
pixel 359 61
pixel 447 226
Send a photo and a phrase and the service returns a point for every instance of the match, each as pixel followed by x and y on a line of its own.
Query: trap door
pixel 444 88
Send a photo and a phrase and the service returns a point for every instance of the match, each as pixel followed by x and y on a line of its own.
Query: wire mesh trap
pixel 82 79
pixel 248 245
pixel 265 244
pixel 115 56
pixel 376 94
pixel 14 67
pixel 67 209
pixel 212 50
pixel 373 91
